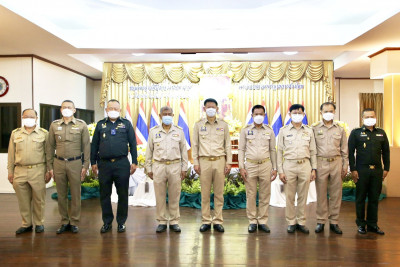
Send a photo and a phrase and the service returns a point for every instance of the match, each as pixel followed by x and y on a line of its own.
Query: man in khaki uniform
pixel 257 145
pixel 332 154
pixel 69 137
pixel 297 163
pixel 27 170
pixel 167 163
pixel 212 158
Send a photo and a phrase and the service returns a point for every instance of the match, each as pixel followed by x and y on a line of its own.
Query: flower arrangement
pixel 234 125
pixel 348 181
pixel 141 151
pixel 91 128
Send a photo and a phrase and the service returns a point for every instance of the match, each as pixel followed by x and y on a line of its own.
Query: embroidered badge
pixel 289 135
pixel 175 135
pixel 220 129
pixel 59 128
pixel 104 125
pixel 158 135
pixel 250 132
pixel 203 129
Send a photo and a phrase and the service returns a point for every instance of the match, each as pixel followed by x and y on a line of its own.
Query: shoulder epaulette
pixel 154 127
pixel 285 126
pixel 16 130
pixel 248 125
pixel 80 120
pixel 307 125
pixel 44 130
pixel 315 123
pixel 179 127
pixel 269 126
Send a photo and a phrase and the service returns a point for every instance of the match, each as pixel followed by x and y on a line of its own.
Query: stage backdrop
pixel 236 84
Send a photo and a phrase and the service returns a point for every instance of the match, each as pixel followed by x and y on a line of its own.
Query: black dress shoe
pixel 175 228
pixel 39 228
pixel 105 228
pixel 219 228
pixel 63 228
pixel 205 227
pixel 161 228
pixel 22 230
pixel 303 229
pixel 264 227
pixel 121 228
pixel 252 228
pixel 319 228
pixel 291 229
pixel 74 229
pixel 361 230
pixel 375 229
pixel 336 229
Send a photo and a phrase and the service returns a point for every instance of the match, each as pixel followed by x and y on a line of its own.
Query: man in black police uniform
pixel 110 150
pixel 372 147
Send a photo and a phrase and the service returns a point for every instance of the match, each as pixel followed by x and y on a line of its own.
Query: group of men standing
pixel 300 155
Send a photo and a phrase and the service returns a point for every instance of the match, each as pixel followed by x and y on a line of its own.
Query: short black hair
pixel 68 101
pixel 366 110
pixel 113 100
pixel 210 100
pixel 296 106
pixel 29 109
pixel 257 107
pixel 326 104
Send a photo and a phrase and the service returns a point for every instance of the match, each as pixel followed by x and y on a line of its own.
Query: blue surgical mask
pixel 167 120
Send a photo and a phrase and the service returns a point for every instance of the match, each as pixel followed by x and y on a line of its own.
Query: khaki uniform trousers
pixel 212 173
pixel 258 173
pixel 68 172
pixel 30 188
pixel 329 176
pixel 164 174
pixel 298 181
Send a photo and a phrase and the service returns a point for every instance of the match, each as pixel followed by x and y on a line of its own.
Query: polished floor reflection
pixel 141 246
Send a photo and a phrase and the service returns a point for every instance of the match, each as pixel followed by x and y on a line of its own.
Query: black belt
pixel 114 159
pixel 67 159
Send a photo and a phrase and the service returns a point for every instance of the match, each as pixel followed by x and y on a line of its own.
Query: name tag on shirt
pixel 379 134
pixel 175 135
pixel 59 128
pixel 220 129
pixel 121 125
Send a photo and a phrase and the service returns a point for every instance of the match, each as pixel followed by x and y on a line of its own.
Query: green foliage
pixel 348 181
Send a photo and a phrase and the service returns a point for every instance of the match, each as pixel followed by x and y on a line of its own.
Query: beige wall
pixel 51 85
pixel 347 98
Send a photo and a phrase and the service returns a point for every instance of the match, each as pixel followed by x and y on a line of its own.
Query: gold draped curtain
pixel 374 101
pixel 316 78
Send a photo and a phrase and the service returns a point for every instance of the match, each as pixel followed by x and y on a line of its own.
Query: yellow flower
pixel 345 126
pixel 91 128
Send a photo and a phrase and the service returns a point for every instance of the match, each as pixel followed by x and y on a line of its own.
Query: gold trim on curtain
pixel 314 71
pixel 374 101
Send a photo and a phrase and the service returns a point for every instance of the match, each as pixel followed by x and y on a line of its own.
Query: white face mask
pixel 28 122
pixel 258 119
pixel 328 116
pixel 369 121
pixel 211 112
pixel 112 114
pixel 67 112
pixel 296 118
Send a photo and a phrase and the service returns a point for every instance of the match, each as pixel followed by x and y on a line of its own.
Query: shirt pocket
pixel 336 140
pixel 19 143
pixel 288 140
pixel 250 140
pixel 305 140
pixel 39 143
pixel 265 138
pixel 74 135
pixel 158 147
pixel 59 135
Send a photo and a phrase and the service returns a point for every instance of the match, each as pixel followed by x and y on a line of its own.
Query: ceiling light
pixel 290 53
pixel 137 54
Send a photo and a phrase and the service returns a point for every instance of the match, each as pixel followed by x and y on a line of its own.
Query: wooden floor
pixel 141 246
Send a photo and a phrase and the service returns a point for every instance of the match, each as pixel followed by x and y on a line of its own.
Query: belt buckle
pixel 331 159
pixel 168 162
pixel 30 167
pixel 112 160
pixel 65 159
pixel 260 162
pixel 212 158
pixel 371 167
pixel 299 161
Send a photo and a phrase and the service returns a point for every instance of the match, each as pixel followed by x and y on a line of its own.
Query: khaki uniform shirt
pixel 26 149
pixel 257 144
pixel 331 142
pixel 296 144
pixel 211 140
pixel 166 146
pixel 68 140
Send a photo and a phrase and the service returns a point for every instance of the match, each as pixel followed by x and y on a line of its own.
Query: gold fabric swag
pixel 308 82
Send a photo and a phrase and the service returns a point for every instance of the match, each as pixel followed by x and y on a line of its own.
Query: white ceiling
pixel 82 34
